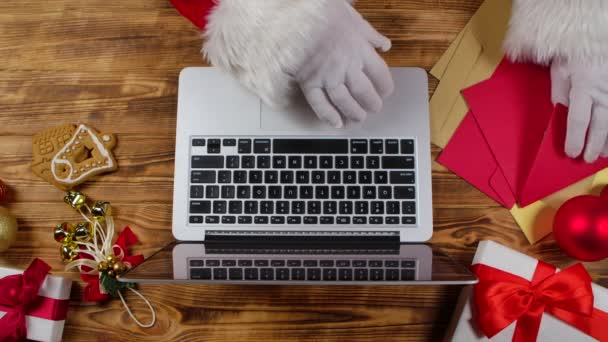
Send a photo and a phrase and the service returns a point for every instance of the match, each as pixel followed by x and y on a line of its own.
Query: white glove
pixel 585 90
pixel 344 77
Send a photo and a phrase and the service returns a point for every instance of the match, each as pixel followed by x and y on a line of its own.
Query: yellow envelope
pixel 470 59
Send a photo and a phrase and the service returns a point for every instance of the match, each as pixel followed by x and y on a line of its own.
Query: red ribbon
pixel 19 297
pixel 92 292
pixel 502 298
pixel 195 10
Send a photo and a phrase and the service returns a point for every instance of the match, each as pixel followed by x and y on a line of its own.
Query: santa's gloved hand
pixel 343 77
pixel 584 88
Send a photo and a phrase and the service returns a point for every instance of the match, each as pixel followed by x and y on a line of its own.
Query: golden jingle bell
pixel 62 231
pixel 68 251
pixel 119 267
pixel 102 267
pixel 75 199
pixel 100 210
pixel 82 232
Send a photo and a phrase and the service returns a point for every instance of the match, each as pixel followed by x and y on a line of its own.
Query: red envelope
pixel 518 126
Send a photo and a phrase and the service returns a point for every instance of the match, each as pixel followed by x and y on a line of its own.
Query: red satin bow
pixel 502 298
pixel 18 295
pixel 92 292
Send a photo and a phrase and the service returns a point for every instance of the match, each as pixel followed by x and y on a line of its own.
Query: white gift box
pixel 53 287
pixel 464 328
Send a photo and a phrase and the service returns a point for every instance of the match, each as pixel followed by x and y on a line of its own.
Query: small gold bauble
pixel 82 233
pixel 68 251
pixel 111 273
pixel 102 266
pixel 119 267
pixel 110 259
pixel 75 199
pixel 100 210
pixel 8 229
pixel 62 231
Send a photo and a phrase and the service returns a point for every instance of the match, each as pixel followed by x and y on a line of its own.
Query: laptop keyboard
pixel 302 182
pixel 313 270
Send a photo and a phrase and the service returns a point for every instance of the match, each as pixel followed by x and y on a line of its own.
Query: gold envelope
pixel 470 59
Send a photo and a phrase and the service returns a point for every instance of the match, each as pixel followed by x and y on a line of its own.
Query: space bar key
pixel 310 146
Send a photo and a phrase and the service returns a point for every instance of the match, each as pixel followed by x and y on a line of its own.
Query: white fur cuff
pixel 263 42
pixel 575 30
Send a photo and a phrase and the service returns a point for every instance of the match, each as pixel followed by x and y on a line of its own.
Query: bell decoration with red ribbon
pixel 88 246
pixel 33 311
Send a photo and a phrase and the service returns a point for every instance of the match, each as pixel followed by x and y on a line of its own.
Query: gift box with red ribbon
pixel 519 298
pixel 33 304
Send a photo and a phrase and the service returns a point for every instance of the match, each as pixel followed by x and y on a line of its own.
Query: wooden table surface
pixel 115 65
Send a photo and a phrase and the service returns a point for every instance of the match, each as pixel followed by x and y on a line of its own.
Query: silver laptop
pixel 263 195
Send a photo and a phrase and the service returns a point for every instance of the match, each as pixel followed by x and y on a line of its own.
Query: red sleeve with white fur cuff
pixel 195 10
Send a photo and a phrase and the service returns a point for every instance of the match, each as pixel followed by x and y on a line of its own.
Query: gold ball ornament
pixel 110 259
pixel 119 267
pixel 8 229
pixel 102 266
pixel 100 210
pixel 75 199
pixel 82 232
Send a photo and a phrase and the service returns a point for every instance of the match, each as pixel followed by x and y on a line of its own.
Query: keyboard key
pixel 372 162
pixel 275 192
pixel 208 162
pixel 392 208
pixel 334 177
pixel 330 208
pixel 310 263
pixel 229 142
pixel 245 263
pixel 294 263
pixel 341 162
pixel 291 192
pixel 224 177
pixel 196 219
pixel 377 208
pixel 360 220
pixel 294 162
pixel 408 208
pixel 369 192
pixel 327 220
pixel 197 191
pixel 407 146
pixel 391 263
pixel 298 274
pixel 345 274
pixel 327 263
pixel 408 220
pixel 338 192
pixel 282 273
pixel 277 220
pixel 343 220
pixel 358 146
pixel 198 142
pixel 402 163
pixel 248 162
pixel 240 177
pixel 310 162
pixel 263 162
pixel 353 192
pixel 203 177
pixel 214 146
pixel 375 263
pixel 357 163
pixel 306 192
pixel 235 207
pixel 244 145
pixel 219 207
pixel 350 177
pixel 318 177
pixel 251 274
pixel 228 219
pixel 310 146
pixel 376 220
pixel 228 263
pixel 385 192
pixel 259 192
pixel 313 274
pixel 200 274
pixel 314 208
pixel 266 207
pixel 228 191
pixel 365 177
pixel 310 220
pixel 321 192
pixel 243 191
pixel 267 274
pixel 404 192
pixel 261 146
pixel 302 177
pixel 408 263
pixel 402 177
pixel 294 220
pixel 346 208
pixel 380 177
pixel 392 146
pixel 255 177
pixel 220 274
pixel 212 263
pixel 212 219
pixel 245 220
pixel 200 207
pixel 392 220
pixel 408 274
pixel 260 220
pixel 197 263
pixel 251 207
pixel 287 177
pixel 233 162
pixel 361 274
pixel 343 263
pixel 326 162
pixel 376 146
pixel 330 274
pixel 376 274
pixel 279 162
pixel 213 191
pixel 361 208
pixel 359 263
pixel 261 263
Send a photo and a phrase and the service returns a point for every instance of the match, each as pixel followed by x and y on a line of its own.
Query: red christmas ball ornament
pixel 581 227
pixel 3 192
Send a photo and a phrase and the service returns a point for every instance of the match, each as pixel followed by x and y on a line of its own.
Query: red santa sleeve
pixel 195 10
pixel 573 30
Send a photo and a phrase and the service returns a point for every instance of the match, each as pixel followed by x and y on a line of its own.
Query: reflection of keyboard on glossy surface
pixel 313 270
pixel 301 182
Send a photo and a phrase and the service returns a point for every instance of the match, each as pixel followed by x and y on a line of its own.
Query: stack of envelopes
pixel 503 135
